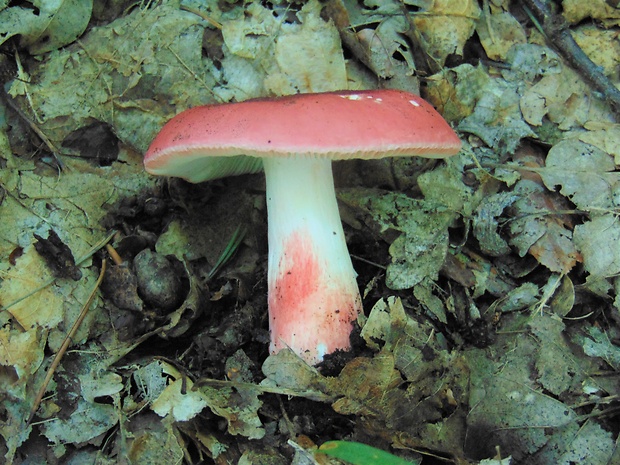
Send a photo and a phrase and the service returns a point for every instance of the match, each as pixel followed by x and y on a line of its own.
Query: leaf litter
pixel 492 312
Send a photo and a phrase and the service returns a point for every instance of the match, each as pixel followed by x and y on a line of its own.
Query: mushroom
pixel 313 295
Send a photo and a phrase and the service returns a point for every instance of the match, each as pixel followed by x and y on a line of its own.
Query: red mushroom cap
pixel 337 125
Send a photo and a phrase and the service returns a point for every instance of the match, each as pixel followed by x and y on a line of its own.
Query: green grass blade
pixel 229 251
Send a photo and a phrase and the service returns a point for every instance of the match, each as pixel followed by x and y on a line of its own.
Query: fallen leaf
pixel 420 250
pixel 583 173
pixel 50 26
pixel 597 241
pixel 541 227
pixel 87 422
pixel 499 32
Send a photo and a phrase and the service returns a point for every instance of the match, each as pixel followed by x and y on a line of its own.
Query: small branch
pixel 65 346
pixel 557 31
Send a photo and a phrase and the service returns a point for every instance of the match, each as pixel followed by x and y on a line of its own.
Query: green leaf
pixel 360 454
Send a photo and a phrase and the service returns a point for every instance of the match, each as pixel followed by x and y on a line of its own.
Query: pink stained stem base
pixel 310 312
pixel 313 293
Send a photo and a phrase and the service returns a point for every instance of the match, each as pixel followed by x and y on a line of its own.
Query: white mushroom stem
pixel 313 294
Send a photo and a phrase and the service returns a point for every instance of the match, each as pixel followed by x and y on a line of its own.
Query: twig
pixel 50 145
pixel 204 16
pixel 65 345
pixel 557 31
pixel 116 258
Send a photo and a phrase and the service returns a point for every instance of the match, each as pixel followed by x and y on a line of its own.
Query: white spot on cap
pixel 358 97
pixel 414 103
